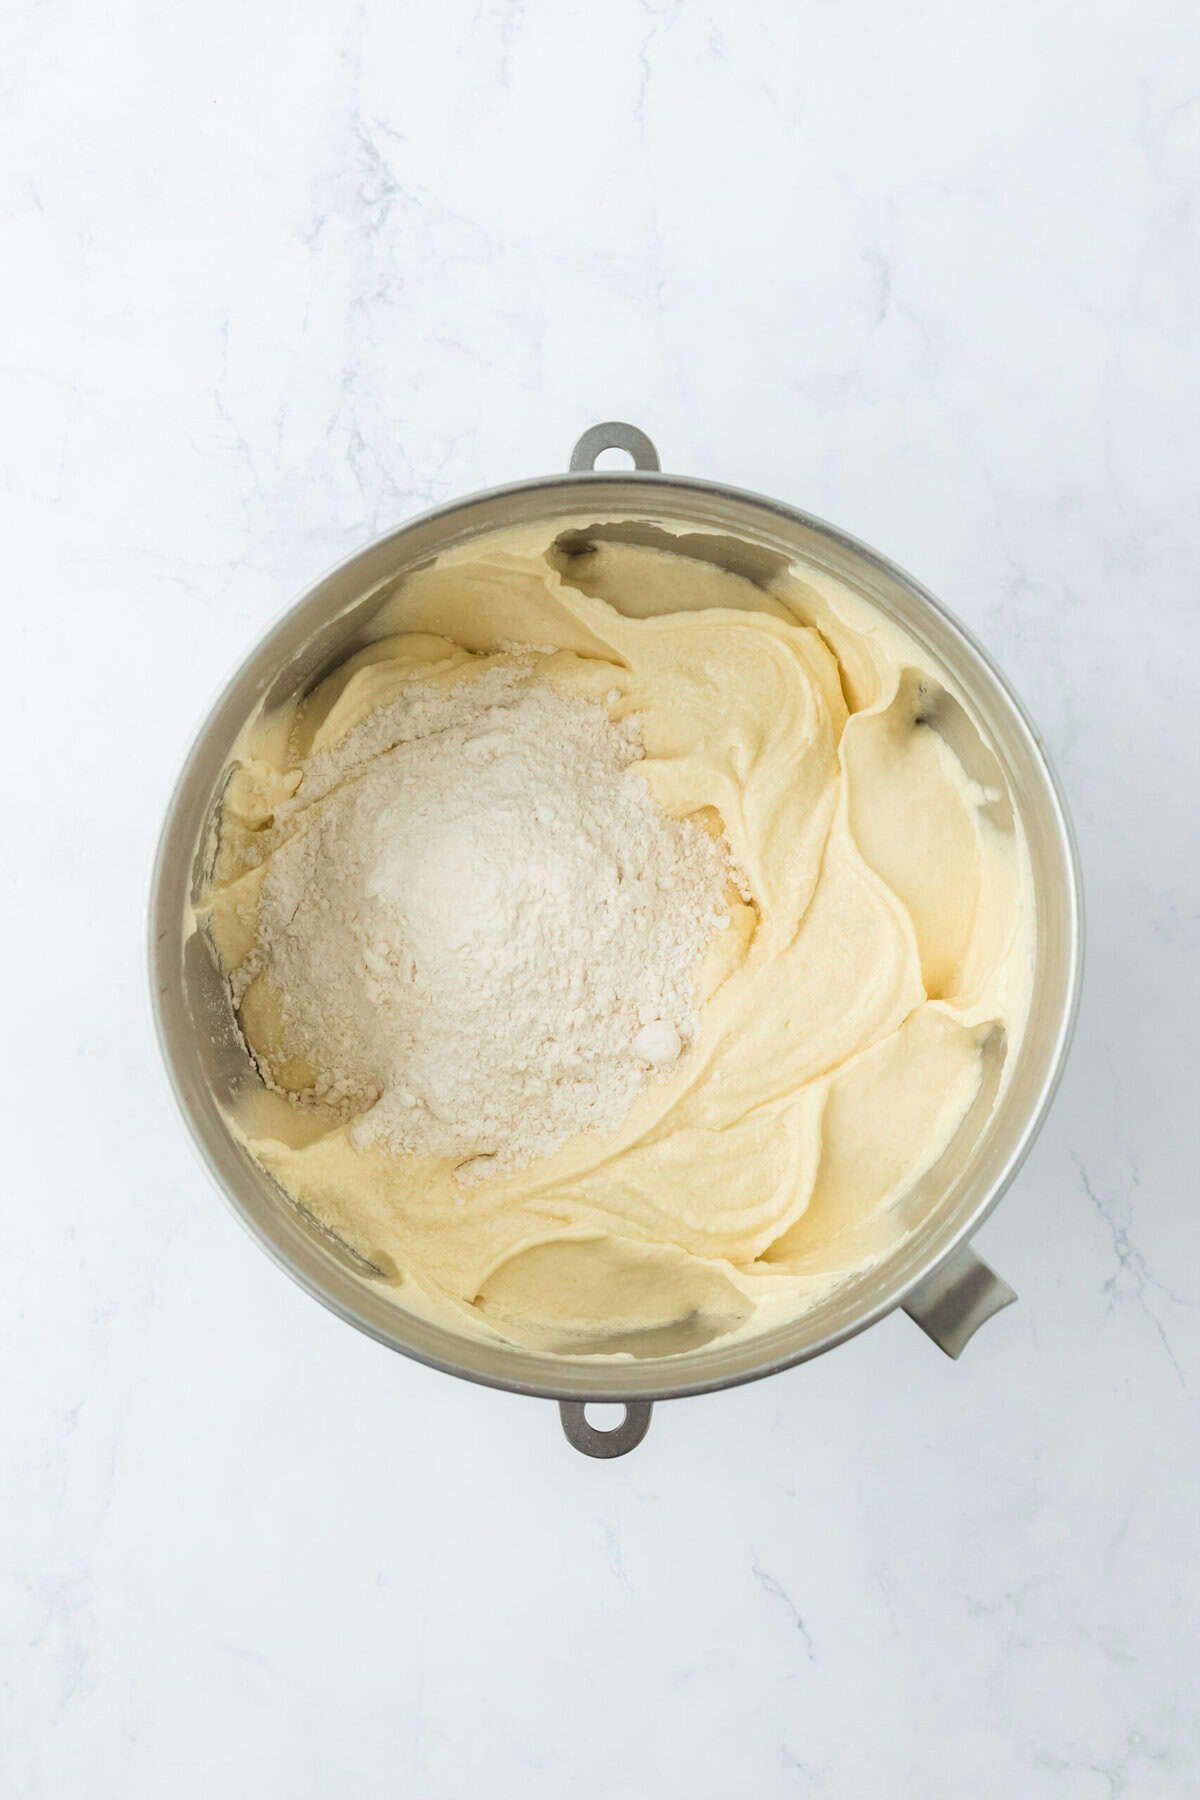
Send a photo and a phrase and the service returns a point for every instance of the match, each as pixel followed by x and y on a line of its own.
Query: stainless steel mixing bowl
pixel 933 1274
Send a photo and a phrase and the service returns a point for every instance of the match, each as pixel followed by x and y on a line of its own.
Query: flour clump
pixel 480 931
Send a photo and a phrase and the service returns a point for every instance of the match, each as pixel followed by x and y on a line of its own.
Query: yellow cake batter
pixel 882 957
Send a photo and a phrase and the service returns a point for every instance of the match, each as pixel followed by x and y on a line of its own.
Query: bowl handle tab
pixel 951 1304
pixel 614 434
pixel 622 1438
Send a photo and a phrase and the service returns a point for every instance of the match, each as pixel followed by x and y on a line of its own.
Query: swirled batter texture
pixel 861 1006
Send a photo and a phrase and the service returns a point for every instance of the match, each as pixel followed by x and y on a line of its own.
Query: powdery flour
pixel 484 932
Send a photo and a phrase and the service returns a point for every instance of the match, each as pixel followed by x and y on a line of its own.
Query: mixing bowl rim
pixel 650 480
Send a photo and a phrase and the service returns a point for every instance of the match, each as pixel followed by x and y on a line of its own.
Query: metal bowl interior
pixel 206 1059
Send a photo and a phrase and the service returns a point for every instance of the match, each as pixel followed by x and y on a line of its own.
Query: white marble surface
pixel 281 275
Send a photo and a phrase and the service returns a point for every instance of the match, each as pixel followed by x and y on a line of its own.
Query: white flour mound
pixel 485 932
